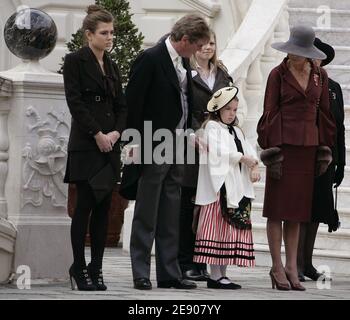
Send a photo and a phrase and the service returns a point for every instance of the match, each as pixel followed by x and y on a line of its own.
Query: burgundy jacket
pixel 290 114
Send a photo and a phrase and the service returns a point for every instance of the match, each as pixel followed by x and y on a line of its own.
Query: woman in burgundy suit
pixel 296 131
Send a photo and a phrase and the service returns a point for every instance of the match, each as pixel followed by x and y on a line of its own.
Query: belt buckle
pixel 97 98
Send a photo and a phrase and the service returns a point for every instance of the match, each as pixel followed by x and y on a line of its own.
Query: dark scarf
pixel 223 198
pixel 109 78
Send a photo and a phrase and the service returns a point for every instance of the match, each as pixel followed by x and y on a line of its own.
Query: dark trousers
pixel 156 217
pixel 85 206
pixel 187 237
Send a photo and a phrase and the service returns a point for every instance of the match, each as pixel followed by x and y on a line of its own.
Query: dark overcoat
pixel 323 201
pixel 154 94
pixel 96 103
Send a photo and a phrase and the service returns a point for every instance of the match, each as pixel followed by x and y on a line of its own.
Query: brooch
pixel 316 77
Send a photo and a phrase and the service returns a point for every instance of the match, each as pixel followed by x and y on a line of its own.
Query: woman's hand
pixel 255 174
pixel 249 161
pixel 103 142
pixel 114 136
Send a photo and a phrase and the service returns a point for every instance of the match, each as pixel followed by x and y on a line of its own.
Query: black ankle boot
pixel 97 278
pixel 80 280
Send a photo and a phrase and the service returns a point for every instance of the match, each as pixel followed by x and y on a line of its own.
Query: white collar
pixel 211 68
pixel 172 52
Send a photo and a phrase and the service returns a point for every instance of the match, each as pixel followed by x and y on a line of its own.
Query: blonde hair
pixel 95 15
pixel 214 59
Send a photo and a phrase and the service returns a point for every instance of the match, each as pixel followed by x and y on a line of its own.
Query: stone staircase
pixel 331 249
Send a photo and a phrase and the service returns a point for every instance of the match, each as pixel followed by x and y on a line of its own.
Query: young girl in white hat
pixel 224 192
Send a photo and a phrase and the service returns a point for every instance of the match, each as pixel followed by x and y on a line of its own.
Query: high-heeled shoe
pixel 279 285
pixel 295 286
pixel 80 280
pixel 97 278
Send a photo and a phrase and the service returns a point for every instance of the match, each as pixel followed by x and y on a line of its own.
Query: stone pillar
pixel 7 229
pixel 242 106
pixel 253 95
pixel 39 124
pixel 268 62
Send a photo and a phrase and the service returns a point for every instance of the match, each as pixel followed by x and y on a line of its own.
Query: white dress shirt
pixel 181 73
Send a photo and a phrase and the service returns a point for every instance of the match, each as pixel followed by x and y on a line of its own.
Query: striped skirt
pixel 220 243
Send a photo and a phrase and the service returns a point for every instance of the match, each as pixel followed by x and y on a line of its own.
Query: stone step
pixel 342 55
pixel 314 17
pixel 344 215
pixel 339 240
pixel 339 73
pixel 346 93
pixel 345 183
pixel 333 4
pixel 347 135
pixel 344 218
pixel 347 114
pixel 343 195
pixel 336 261
pixel 334 36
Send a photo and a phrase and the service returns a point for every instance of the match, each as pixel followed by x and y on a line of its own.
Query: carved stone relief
pixel 45 159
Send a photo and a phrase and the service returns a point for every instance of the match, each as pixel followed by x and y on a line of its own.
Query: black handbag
pixel 334 223
pixel 238 217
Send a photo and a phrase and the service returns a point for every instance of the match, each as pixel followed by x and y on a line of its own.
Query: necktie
pixel 180 70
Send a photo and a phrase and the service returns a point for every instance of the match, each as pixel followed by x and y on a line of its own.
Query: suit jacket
pixel 92 106
pixel 337 109
pixel 153 94
pixel 153 91
pixel 290 114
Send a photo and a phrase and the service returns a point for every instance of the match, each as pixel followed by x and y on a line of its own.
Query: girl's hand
pixel 255 174
pixel 249 161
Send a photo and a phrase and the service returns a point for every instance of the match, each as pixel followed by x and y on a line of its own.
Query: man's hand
pixel 114 136
pixel 198 143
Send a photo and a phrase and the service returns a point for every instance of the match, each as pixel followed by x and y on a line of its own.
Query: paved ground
pixel 117 271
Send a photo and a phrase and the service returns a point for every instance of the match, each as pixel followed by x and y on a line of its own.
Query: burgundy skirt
pixel 290 198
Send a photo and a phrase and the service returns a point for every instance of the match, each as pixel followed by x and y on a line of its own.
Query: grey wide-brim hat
pixel 300 43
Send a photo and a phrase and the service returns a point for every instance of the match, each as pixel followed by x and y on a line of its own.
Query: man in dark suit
pixel 159 91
